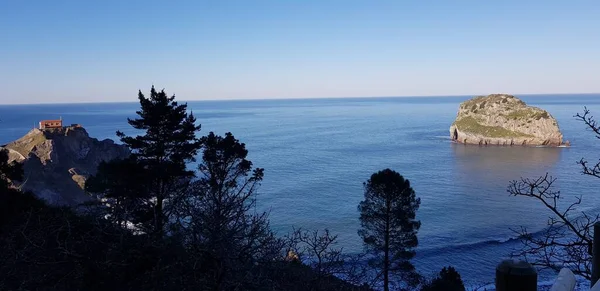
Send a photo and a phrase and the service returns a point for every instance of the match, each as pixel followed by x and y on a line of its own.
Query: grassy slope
pixel 471 125
pixel 24 148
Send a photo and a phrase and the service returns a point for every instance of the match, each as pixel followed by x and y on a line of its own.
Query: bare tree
pixel 590 122
pixel 317 249
pixel 567 241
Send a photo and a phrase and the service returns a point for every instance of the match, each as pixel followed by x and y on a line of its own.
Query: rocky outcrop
pixel 501 119
pixel 57 162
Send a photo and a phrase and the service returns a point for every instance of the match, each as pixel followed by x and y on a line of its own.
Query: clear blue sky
pixel 96 51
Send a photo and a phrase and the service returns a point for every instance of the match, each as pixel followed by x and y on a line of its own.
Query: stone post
pixel 515 276
pixel 565 281
pixel 596 254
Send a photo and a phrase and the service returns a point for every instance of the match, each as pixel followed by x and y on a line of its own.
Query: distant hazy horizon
pixel 134 99
pixel 180 99
pixel 72 51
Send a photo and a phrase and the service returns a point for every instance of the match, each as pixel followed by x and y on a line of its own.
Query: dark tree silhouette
pixel 589 120
pixel 54 248
pixel 122 183
pixel 217 240
pixel 567 240
pixel 318 250
pixel 389 228
pixel 11 200
pixel 221 222
pixel 447 280
pixel 169 142
pixel 9 171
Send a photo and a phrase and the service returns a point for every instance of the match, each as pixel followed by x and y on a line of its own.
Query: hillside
pixel 58 161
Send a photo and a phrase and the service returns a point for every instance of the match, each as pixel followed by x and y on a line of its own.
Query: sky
pixel 105 51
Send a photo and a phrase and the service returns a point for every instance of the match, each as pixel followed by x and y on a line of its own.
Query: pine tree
pixel 167 145
pixel 447 280
pixel 388 224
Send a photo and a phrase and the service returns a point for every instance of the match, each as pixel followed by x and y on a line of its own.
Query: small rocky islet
pixel 505 120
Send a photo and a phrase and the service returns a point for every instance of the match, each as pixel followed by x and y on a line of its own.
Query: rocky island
pixel 58 160
pixel 501 119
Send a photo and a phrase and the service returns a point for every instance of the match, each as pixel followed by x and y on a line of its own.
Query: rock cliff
pixel 57 162
pixel 501 119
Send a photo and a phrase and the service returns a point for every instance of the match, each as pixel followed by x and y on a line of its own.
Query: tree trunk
pixel 159 216
pixel 386 257
pixel 158 212
pixel 386 279
pixel 160 196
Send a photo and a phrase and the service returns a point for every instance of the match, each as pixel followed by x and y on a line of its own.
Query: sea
pixel 318 152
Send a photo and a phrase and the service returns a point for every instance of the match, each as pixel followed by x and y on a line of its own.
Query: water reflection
pixel 500 163
pixel 484 210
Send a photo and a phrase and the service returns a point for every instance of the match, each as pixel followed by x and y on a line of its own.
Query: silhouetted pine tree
pixel 447 280
pixel 167 144
pixel 388 224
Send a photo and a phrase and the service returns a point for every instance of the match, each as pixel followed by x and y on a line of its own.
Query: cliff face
pixel 57 162
pixel 500 119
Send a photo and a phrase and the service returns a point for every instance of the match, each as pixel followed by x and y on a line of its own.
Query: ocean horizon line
pixel 303 98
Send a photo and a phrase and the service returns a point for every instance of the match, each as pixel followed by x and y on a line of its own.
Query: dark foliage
pixel 12 201
pixel 47 248
pixel 51 248
pixel 189 232
pixel 389 228
pixel 170 134
pixel 220 222
pixel 447 280
pixel 9 171
pixel 149 196
pixel 122 182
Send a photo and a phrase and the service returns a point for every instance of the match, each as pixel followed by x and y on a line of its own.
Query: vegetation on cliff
pixel 472 125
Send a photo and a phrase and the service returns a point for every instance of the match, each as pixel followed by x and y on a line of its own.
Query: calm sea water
pixel 317 153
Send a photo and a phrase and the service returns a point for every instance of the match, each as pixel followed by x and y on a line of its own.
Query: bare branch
pixel 590 122
pixel 566 241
